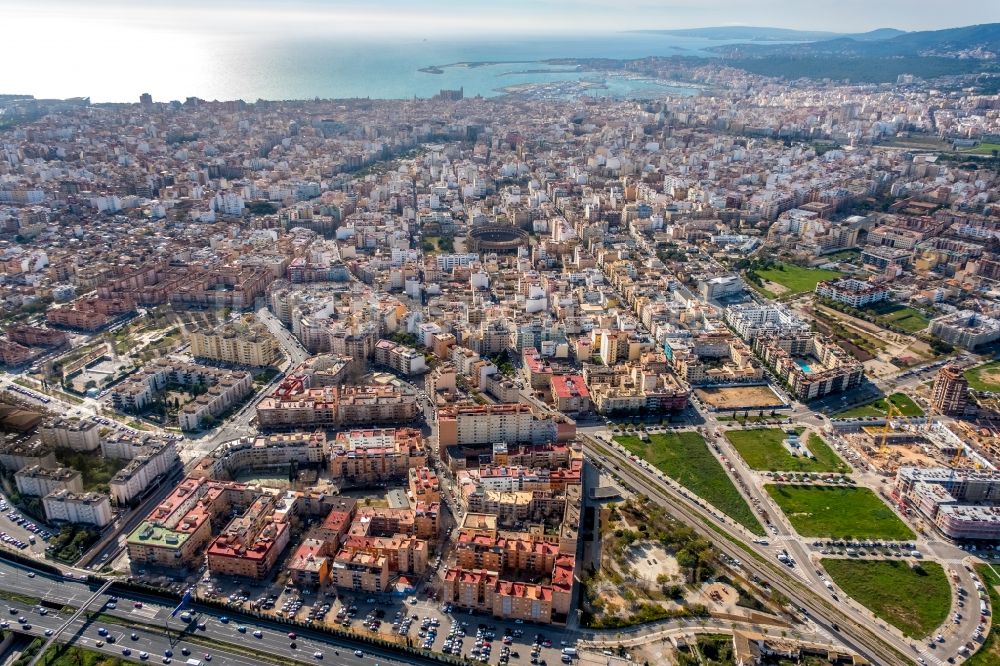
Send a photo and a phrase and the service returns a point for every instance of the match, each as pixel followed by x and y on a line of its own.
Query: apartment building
pixel 66 506
pixel 303 449
pixel 71 433
pixel 362 456
pixel 250 545
pixel 310 565
pixel 404 360
pixel 17 452
pixel 491 566
pixel 724 360
pixel 294 406
pixel 14 355
pixel 811 365
pixel 223 389
pixel 749 321
pixel 423 485
pixel 950 393
pixel 485 424
pixel 966 329
pixel 39 481
pixel 89 314
pixel 176 531
pixel 856 293
pixel 36 336
pixel 150 461
pixel 246 343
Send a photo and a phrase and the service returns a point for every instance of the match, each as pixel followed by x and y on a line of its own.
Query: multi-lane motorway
pixel 149 618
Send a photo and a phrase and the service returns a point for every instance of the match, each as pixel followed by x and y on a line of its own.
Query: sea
pixel 118 67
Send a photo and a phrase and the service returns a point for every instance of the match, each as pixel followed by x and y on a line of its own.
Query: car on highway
pixel 224 619
pixel 317 655
pixel 359 653
pixel 134 636
pixel 207 656
pixel 241 629
pixel 126 651
pixel 144 656
pixel 258 634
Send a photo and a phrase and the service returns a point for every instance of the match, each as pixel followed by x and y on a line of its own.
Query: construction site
pixel 917 442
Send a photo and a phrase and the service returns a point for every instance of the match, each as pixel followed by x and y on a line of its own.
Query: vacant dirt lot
pixel 738 397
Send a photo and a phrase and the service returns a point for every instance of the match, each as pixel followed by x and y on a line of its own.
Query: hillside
pixel 766 34
pixel 948 42
pixel 927 54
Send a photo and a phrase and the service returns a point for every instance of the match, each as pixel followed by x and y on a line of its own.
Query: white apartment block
pixel 856 293
pixel 39 481
pixel 147 465
pixel 64 506
pixel 75 434
pixel 447 262
pixel 751 321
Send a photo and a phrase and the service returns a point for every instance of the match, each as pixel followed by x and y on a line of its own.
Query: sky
pixel 464 17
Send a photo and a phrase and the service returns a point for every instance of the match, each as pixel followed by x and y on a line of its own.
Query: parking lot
pixel 419 622
pixel 19 531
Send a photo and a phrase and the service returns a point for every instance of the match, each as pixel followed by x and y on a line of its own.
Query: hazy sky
pixel 458 17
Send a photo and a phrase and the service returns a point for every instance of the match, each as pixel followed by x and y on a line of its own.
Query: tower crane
pixel 883 449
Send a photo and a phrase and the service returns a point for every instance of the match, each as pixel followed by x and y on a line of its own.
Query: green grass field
pixel 685 458
pixel 763 450
pixel 982 149
pixel 906 318
pixel 978 377
pixel 989 653
pixel 796 278
pixel 904 404
pixel 915 601
pixel 839 513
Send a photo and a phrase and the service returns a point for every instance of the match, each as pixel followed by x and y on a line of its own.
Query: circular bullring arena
pixel 496 238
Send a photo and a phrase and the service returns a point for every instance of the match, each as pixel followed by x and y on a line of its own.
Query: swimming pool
pixel 803 365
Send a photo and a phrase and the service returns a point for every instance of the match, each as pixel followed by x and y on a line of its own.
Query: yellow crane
pixel 883 449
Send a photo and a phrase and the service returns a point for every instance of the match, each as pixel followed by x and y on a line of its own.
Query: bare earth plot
pixel 739 397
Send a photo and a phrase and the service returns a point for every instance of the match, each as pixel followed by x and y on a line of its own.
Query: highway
pixel 154 614
pixel 855 632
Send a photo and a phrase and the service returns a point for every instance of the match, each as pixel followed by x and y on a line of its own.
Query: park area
pixel 901 316
pixel 792 279
pixel 915 600
pixel 685 458
pixel 762 449
pixel 739 397
pixel 838 513
pixel 650 568
pixel 879 407
pixel 985 377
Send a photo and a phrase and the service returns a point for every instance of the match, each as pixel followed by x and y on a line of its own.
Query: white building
pixel 86 508
pixel 751 321
pixel 39 481
pixel 447 262
pixel 856 293
pixel 149 463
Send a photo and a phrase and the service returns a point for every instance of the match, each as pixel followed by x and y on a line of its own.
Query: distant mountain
pixel 877 57
pixel 748 33
pixel 877 34
pixel 764 34
pixel 951 41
